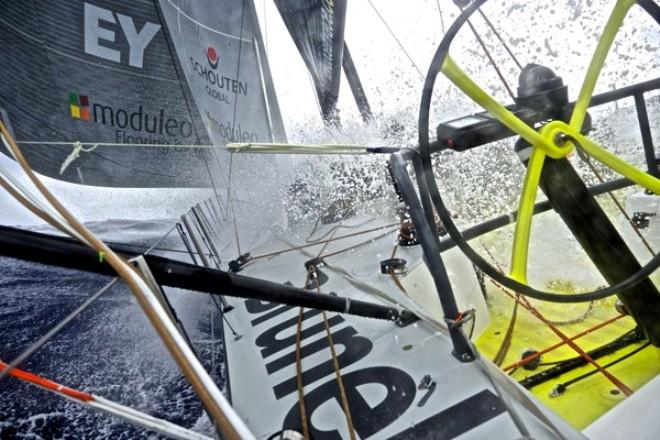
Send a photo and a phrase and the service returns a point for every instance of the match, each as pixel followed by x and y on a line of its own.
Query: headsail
pixel 108 73
pixel 220 47
pixel 317 28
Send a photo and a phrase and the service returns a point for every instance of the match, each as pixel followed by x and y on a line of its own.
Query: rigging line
pixel 159 241
pixel 299 381
pixel 143 249
pixel 565 340
pixel 230 200
pixel 620 385
pixel 335 363
pixel 513 413
pixel 590 373
pixel 231 206
pixel 334 229
pixel 215 189
pixel 25 355
pixel 125 413
pixel 421 75
pixel 221 310
pixel 442 21
pixel 207 391
pixel 175 58
pixel 491 60
pixel 508 336
pixel 341 237
pixel 533 356
pixel 575 320
pixel 499 37
pixel 393 275
pixel 116 144
pixel 621 208
pixel 355 246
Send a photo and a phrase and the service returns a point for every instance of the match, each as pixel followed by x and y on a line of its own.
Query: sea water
pixel 110 350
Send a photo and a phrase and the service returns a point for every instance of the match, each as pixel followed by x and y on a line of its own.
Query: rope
pixel 393 275
pixel 114 144
pixel 566 340
pixel 295 248
pixel 335 228
pixel 25 355
pixel 442 21
pixel 397 40
pixel 299 382
pixel 533 356
pixel 575 320
pixel 212 398
pixel 623 211
pixel 123 412
pixel 312 274
pixel 499 37
pixel 491 60
pixel 355 246
pixel 335 362
pixel 231 207
pixel 75 153
pixel 586 159
pixel 559 389
pixel 506 342
pixel 279 148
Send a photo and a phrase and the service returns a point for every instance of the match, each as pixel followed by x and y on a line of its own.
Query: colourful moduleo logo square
pixel 79 106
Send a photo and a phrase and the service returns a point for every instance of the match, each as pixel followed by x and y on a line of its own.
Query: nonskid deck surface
pixel 382 365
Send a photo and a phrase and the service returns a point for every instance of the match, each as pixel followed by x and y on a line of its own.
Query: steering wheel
pixel 555 139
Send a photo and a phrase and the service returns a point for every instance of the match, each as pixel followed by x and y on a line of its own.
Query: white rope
pixel 75 153
pixel 114 144
pixel 274 148
pixel 35 203
pixel 145 420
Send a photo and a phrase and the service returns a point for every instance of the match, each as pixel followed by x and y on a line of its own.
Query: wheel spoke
pixel 617 164
pixel 497 110
pixel 597 61
pixel 525 213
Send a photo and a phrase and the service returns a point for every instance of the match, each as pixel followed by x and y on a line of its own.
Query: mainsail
pixel 317 28
pixel 107 74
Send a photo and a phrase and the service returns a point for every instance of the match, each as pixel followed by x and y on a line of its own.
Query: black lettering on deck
pixel 271 344
pixel 355 348
pixel 400 395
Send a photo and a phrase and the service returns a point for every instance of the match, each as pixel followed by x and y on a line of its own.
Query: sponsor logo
pixel 132 125
pixel 79 106
pixel 218 86
pixel 212 57
pixel 230 132
pixel 101 36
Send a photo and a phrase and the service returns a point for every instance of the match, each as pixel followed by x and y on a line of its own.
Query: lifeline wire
pixel 21 358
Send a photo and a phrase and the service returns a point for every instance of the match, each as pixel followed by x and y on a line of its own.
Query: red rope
pixel 533 356
pixel 47 384
pixel 566 340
